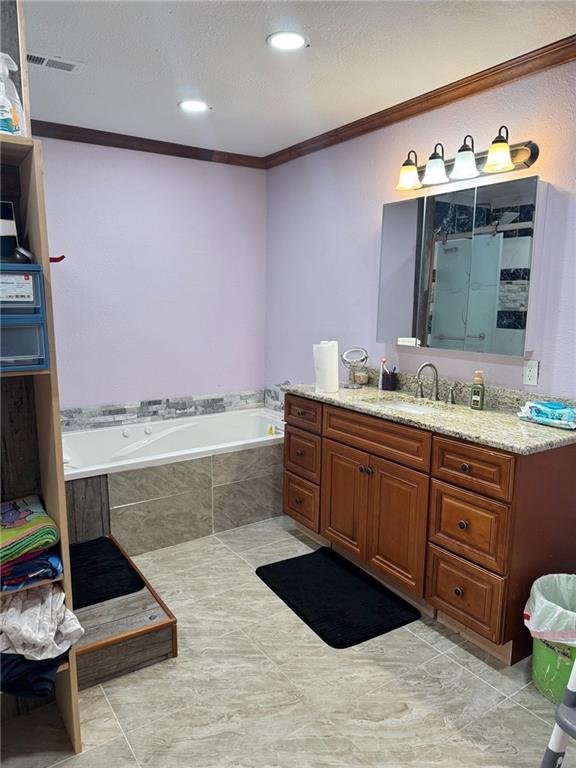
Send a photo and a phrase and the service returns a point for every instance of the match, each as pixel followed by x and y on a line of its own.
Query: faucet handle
pixel 453 390
pixel 419 388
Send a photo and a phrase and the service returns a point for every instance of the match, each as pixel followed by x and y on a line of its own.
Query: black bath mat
pixel 340 602
pixel 100 572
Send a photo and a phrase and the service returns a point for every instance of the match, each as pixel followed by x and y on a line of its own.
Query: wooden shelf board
pixel 11 374
pixel 32 586
pixel 14 149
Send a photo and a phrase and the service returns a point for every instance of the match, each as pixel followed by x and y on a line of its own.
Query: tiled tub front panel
pixel 157 507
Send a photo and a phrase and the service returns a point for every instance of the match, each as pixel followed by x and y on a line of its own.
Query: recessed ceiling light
pixel 286 41
pixel 191 105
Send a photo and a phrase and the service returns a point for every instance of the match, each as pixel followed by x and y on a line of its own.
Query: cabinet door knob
pixel 363 469
pixel 465 467
pixel 463 524
pixel 459 591
pixel 300 452
pixel 298 500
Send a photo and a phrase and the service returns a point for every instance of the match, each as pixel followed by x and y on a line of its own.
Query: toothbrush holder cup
pixel 390 381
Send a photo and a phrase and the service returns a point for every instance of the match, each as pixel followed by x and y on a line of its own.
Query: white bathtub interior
pixel 133 446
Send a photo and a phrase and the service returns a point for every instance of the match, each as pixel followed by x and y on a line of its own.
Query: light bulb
pixel 286 41
pixel 499 158
pixel 435 172
pixel 465 161
pixel 408 178
pixel 192 105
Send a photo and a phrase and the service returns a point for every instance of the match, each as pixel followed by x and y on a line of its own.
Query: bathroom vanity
pixel 463 509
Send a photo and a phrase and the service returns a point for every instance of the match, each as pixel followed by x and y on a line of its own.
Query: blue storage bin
pixel 23 339
pixel 23 344
pixel 21 289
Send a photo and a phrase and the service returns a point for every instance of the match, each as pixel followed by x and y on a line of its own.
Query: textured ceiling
pixel 141 58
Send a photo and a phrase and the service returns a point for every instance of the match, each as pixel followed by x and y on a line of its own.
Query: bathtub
pixel 108 450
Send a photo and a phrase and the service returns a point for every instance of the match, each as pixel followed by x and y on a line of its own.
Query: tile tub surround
pixel 157 507
pixel 158 410
pixel 254 687
pixel 488 428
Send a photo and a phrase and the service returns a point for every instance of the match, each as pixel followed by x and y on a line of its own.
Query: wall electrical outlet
pixel 531 372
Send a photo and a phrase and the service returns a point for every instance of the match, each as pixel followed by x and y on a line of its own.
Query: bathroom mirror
pixel 455 268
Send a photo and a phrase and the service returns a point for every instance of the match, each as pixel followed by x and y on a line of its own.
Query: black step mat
pixel 336 599
pixel 100 572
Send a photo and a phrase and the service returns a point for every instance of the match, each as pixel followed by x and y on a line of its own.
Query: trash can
pixel 550 615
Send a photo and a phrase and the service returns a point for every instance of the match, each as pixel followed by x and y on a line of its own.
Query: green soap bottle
pixel 477 391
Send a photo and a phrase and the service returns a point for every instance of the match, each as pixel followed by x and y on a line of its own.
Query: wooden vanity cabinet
pixel 466 527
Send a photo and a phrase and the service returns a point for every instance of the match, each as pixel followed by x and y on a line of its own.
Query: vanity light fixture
pixel 435 169
pixel 499 158
pixel 409 178
pixel 465 161
pixel 287 41
pixel 193 106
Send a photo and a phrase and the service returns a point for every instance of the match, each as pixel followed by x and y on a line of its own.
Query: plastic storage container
pixel 23 340
pixel 550 615
pixel 21 289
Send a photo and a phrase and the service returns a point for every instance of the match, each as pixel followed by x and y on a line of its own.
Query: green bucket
pixel 551 667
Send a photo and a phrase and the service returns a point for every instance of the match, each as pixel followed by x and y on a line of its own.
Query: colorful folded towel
pixel 551 414
pixel 19 573
pixel 25 527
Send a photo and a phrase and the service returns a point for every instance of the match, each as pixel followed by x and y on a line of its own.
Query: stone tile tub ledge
pixel 494 429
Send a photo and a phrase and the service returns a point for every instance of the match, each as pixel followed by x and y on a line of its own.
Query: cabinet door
pixel 397 521
pixel 344 496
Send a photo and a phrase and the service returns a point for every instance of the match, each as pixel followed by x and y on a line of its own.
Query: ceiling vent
pixel 55 62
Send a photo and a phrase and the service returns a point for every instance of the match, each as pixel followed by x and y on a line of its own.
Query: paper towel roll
pixel 326 361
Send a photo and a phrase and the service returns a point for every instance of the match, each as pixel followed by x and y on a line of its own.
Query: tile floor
pixel 253 687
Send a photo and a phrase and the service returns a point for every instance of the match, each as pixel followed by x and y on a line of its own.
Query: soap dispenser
pixel 11 112
pixel 477 391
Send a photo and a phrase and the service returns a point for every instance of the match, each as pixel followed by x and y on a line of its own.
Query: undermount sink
pixel 400 405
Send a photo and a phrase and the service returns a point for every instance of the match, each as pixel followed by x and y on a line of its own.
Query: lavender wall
pixel 324 223
pixel 162 292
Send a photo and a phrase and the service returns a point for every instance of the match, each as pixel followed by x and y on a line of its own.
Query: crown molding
pixel 43 129
pixel 553 55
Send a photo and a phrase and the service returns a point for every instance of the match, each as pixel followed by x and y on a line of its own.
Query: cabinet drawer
pixel 466 592
pixel 478 469
pixel 469 525
pixel 302 501
pixel 386 439
pixel 303 413
pixel 303 453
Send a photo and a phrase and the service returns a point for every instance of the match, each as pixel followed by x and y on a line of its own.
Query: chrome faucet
pixel 434 388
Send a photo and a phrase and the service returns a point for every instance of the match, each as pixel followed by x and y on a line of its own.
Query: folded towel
pixel 19 573
pixel 25 527
pixel 550 414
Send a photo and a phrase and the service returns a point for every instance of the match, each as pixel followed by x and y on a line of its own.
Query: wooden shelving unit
pixel 36 466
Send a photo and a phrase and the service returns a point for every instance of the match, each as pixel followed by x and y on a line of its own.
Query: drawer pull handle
pixel 300 452
pixel 459 591
pixel 463 524
pixel 465 467
pixel 299 412
pixel 298 500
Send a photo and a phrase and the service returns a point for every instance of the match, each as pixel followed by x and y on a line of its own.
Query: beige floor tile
pixel 531 698
pixel 441 637
pixel 115 754
pixel 97 718
pixel 258 534
pixel 507 737
pixel 150 693
pixel 292 546
pixel 426 706
pixel 508 680
pixel 37 740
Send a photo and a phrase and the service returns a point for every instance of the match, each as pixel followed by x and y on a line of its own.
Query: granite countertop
pixel 490 428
